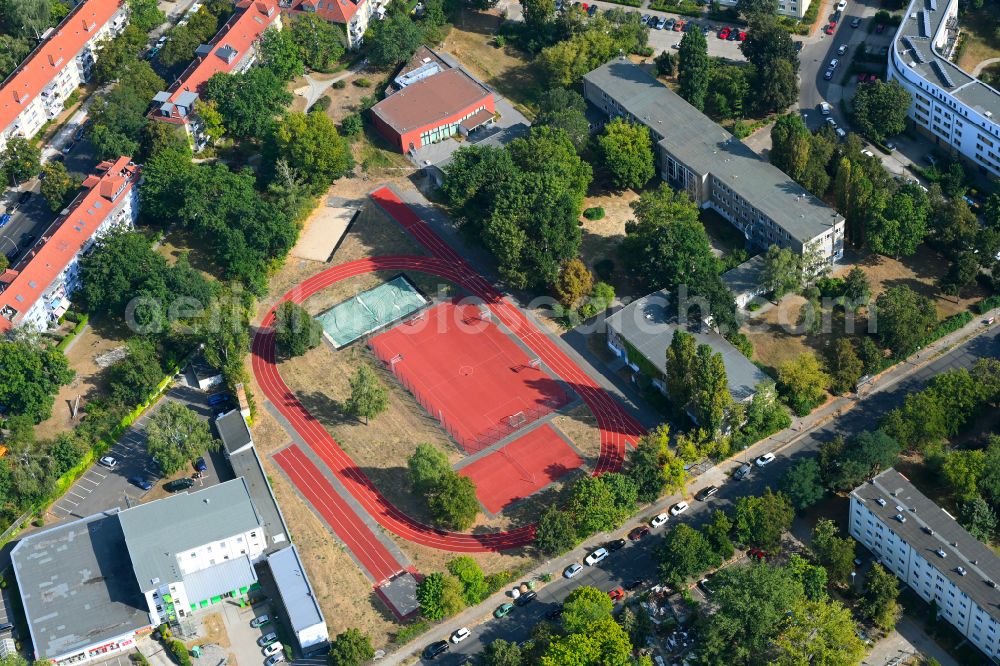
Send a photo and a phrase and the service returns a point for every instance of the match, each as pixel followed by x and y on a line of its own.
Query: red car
pixel 724 33
pixel 638 533
pixel 872 78
pixel 584 6
pixel 757 554
pixel 616 594
pixel 743 36
pixel 830 28
pixel 678 26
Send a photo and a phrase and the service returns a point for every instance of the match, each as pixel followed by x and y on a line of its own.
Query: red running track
pixel 617 428
pixel 374 557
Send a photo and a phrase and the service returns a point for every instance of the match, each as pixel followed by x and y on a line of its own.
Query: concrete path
pixel 983 65
pixel 907 641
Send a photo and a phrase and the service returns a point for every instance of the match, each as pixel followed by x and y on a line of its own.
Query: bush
pixel 138 658
pixel 605 268
pixel 407 634
pixel 352 125
pixel 339 85
pixel 830 287
pixel 180 653
pixel 949 325
pixel 362 82
pixel 322 104
pixel 594 213
pixel 987 304
pixel 644 51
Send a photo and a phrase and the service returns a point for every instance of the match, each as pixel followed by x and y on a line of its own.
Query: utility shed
pixel 301 608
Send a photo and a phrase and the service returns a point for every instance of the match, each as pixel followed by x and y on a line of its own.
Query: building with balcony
pixel 957 110
pixel 716 169
pixel 352 15
pixel 926 548
pixel 232 51
pixel 793 8
pixel 36 91
pixel 37 290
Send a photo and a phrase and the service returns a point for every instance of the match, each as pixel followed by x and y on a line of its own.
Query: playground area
pixel 469 373
pixel 521 468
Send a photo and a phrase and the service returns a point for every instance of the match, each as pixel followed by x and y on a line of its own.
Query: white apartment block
pixel 928 550
pixel 37 90
pixel 793 8
pixel 956 109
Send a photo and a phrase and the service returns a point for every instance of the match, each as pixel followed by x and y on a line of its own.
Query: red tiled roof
pixel 31 78
pixel 239 33
pixel 430 100
pixel 87 213
pixel 335 11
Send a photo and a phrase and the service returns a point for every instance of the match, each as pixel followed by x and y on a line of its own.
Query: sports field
pixel 370 310
pixel 468 373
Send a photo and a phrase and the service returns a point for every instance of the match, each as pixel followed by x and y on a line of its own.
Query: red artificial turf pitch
pixel 468 374
pixel 539 458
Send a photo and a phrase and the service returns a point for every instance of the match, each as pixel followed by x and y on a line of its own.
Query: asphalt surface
pixel 636 560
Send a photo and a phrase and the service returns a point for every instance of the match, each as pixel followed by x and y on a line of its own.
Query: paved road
pixel 636 559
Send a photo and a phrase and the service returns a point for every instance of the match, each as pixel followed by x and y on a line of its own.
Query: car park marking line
pixel 72 502
pixel 75 495
pixel 84 478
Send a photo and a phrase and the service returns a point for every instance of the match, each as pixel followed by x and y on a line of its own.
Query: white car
pixel 842 49
pixel 595 557
pixel 764 460
pixel 825 108
pixel 108 461
pixel 679 508
pixel 572 570
pixel 841 133
pixel 273 648
pixel 833 64
pixel 842 5
pixel 867 153
pixel 460 635
pixel 659 520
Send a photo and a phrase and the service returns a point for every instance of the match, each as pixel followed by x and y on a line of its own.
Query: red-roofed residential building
pixel 232 51
pixel 36 291
pixel 35 92
pixel 352 14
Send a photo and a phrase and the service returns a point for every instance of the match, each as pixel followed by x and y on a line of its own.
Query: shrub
pixel 949 325
pixel 180 653
pixel 322 104
pixel 594 213
pixel 644 51
pixel 362 82
pixel 352 125
pixel 830 287
pixel 408 633
pixel 987 304
pixel 605 269
pixel 138 658
pixel 339 85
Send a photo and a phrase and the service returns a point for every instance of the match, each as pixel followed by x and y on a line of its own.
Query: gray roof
pixel 77 585
pixel 922 515
pixel 648 324
pixel 746 278
pixel 157 531
pixel 704 146
pixel 247 465
pixel 227 576
pixel 233 431
pixel 187 99
pixel 296 593
pixel 965 88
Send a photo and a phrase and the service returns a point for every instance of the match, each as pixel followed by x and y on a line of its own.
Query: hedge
pixel 180 653
pixel 594 213
pixel 949 325
pixel 987 304
pixel 72 334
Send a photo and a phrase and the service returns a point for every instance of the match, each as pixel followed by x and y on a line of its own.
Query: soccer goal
pixel 394 360
pixel 516 420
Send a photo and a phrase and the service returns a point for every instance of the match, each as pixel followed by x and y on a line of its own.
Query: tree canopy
pixel 904 318
pixel 693 68
pixel 350 648
pixel 30 376
pixel 627 153
pixel 880 109
pixel 176 435
pixel 369 396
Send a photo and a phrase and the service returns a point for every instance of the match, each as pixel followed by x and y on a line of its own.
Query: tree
pixel 118 54
pixel 717 533
pixel 57 185
pixel 693 68
pixel 654 467
pixel 681 358
pixel 574 282
pixel 878 603
pixel 439 595
pixel 666 64
pixel 857 287
pixel 584 607
pixel 248 102
pixel 453 502
pixel 871 355
pixel 145 15
pixel 309 144
pixel 184 39
pixel 281 54
pixel 903 319
pixel 802 483
pixel 350 648
pixel 177 435
pixel 710 396
pixel 783 271
pixel 468 573
pixel 501 653
pixel 30 376
pixel 20 159
pixel 753 8
pixel 321 43
pixel 565 109
pixel 556 532
pixel 133 379
pixel 812 577
pixel 685 553
pixel 369 397
pixel 604 643
pixel 29 18
pixel 819 632
pixel 880 109
pixel 836 554
pixel 803 383
pixel 393 40
pixel 764 416
pixel 980 519
pixel 537 13
pixel 13 50
pixel 771 51
pixel 592 503
pixel 899 228
pixel 295 330
pixel 845 366
pixel 119 116
pixel 761 520
pixel 627 152
pixel 791 141
pixel 427 466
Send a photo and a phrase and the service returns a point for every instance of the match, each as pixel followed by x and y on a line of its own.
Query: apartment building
pixel 36 291
pixel 716 169
pixel 926 548
pixel 232 51
pixel 353 15
pixel 793 8
pixel 957 110
pixel 36 91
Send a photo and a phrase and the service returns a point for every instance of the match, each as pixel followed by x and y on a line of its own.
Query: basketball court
pixel 370 310
pixel 521 468
pixel 468 373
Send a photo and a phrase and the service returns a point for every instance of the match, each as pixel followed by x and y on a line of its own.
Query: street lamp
pixel 854 575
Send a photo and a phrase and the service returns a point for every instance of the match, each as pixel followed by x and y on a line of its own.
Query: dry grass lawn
pixel 602 237
pixel 980 42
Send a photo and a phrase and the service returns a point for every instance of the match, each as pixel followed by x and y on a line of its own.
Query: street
pixel 636 560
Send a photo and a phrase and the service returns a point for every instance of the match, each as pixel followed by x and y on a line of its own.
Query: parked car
pixel 743 472
pixel 572 570
pixel 706 492
pixel 109 462
pixel 178 484
pixel 273 648
pixel 592 10
pixel 660 23
pixel 833 64
pixel 831 122
pixel 616 544
pixel 724 33
pixel 460 635
pixel 868 153
pixel 200 465
pixel 595 557
pixel 733 35
pixel 638 533
pixel 267 639
pixel 830 28
pixel 855 22
pixel 841 133
pixel 872 78
pixel 689 25
pixel 260 621
pixel 616 594
pixel 658 520
pixel 4 219
pixel 842 49
pixel 635 584
pixel 678 26
pixel 645 19
pixel 6 626
pixel 842 5
pixel 526 598
pixel 669 24
pixel 742 36
pixel 756 553
pixel 890 146
pixel 274 659
pixel 503 610
pixel 825 108
pixel 435 649
pixel 703 586
pixel 764 460
pixel 827 75
pixel 679 508
pixel 555 613
pixel 141 482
